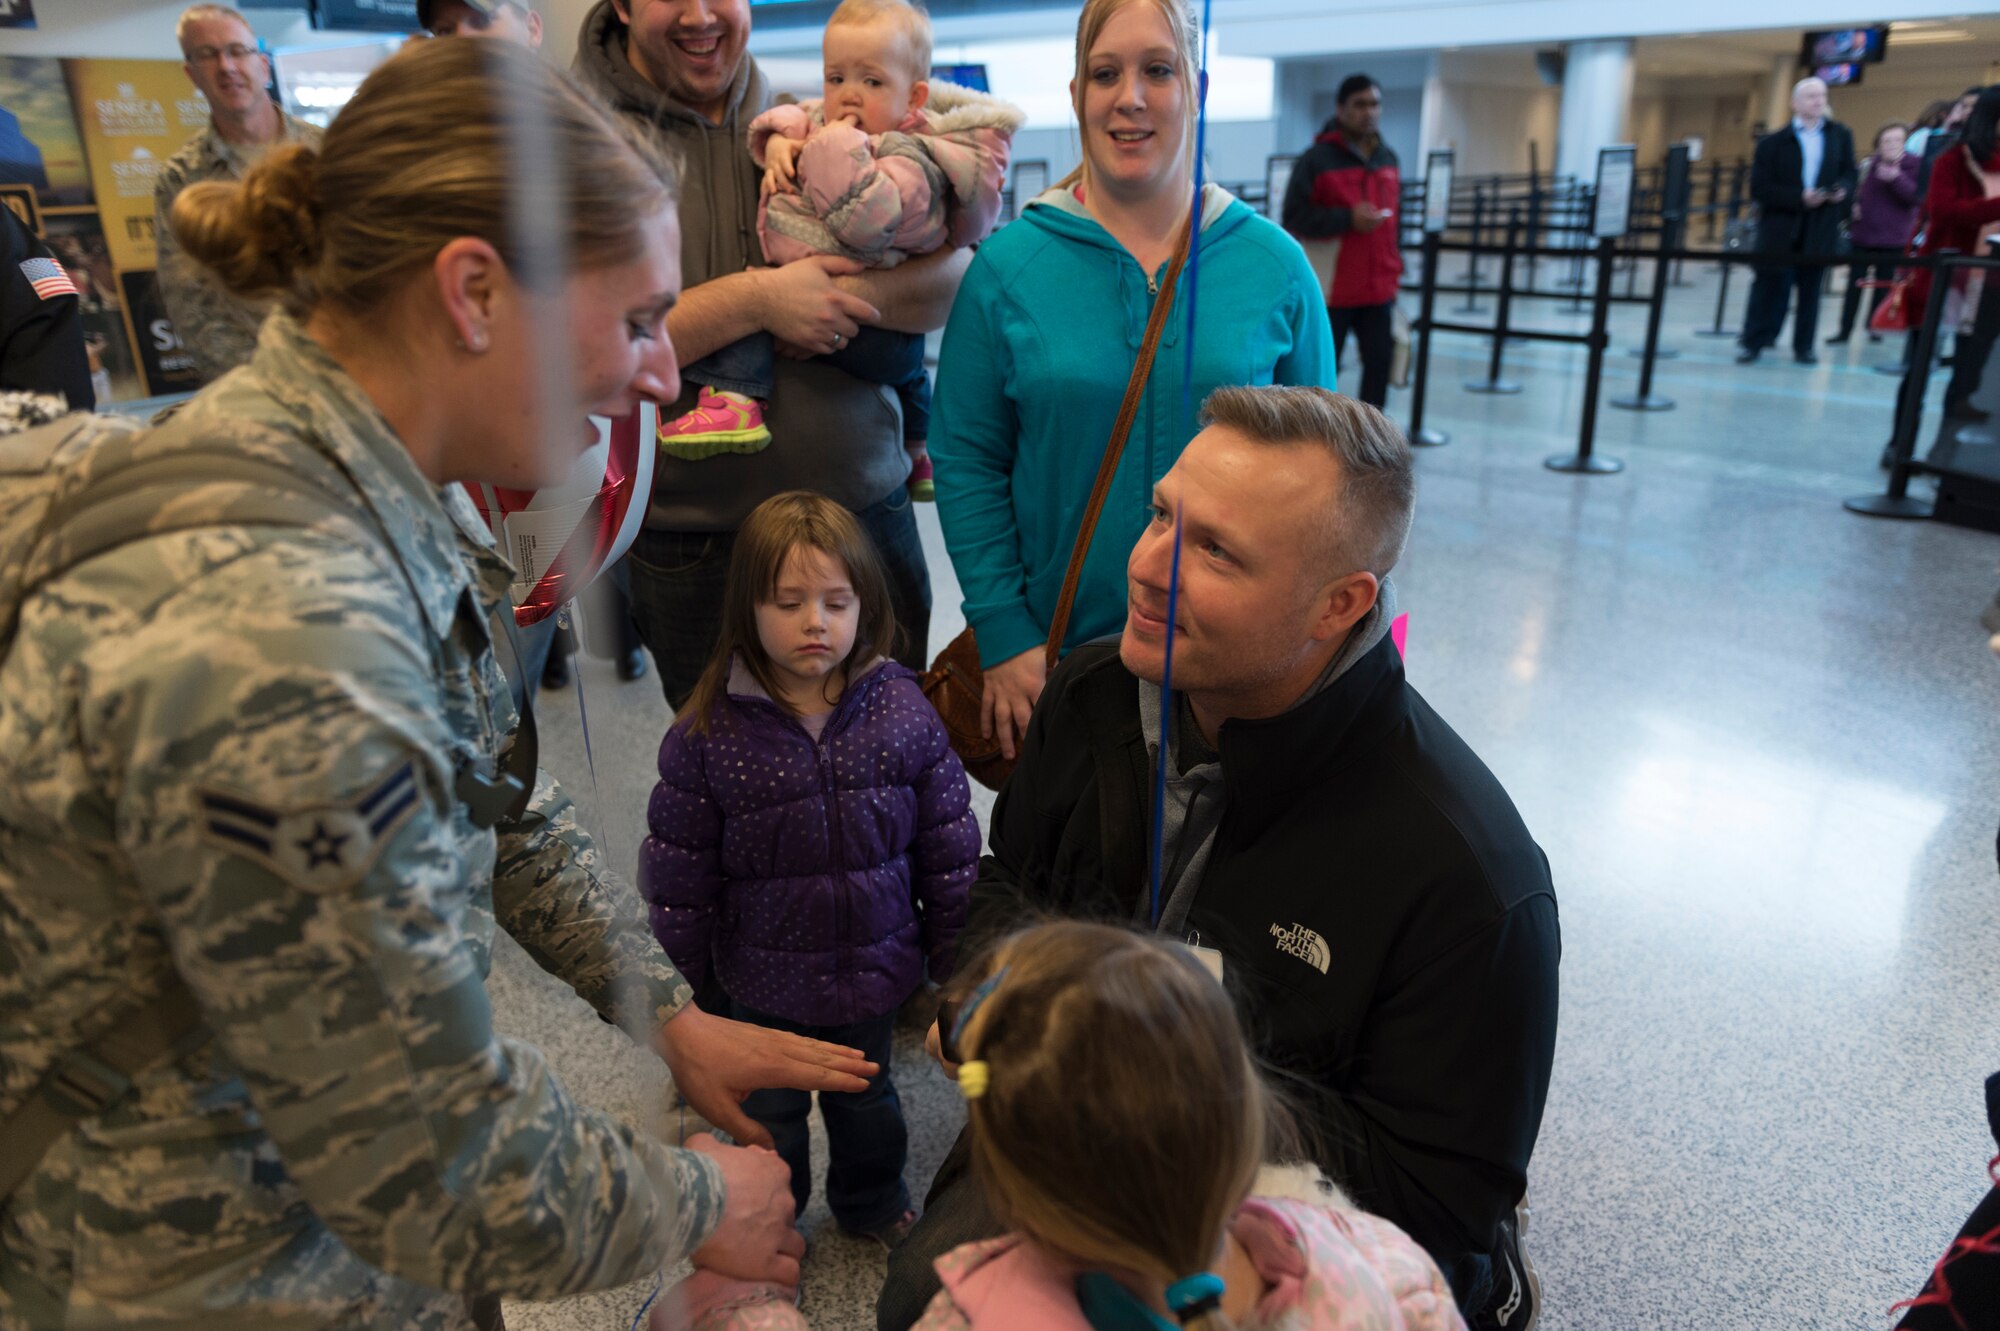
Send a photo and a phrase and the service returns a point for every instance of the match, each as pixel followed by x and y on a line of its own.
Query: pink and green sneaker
pixel 719 423
pixel 923 488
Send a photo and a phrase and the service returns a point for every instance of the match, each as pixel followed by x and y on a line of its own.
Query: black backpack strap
pixel 86 1082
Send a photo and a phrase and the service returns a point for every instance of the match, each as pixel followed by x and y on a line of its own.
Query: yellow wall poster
pixel 135 114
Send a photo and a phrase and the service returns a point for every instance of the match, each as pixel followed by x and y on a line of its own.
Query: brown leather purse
pixel 955 683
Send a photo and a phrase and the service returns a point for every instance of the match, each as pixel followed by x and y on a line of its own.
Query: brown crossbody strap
pixel 1134 387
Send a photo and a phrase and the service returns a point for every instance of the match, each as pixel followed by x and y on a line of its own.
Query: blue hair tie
pixel 973 1001
pixel 1199 1293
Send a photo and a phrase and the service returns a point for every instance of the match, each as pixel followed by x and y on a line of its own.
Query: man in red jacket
pixel 1345 190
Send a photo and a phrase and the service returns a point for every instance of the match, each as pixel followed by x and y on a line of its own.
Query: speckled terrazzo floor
pixel 1759 738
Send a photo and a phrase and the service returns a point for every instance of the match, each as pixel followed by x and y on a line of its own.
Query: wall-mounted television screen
pixel 1839 76
pixel 366 15
pixel 1843 46
pixel 965 76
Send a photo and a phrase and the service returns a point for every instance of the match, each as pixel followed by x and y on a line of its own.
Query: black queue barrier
pixel 1472 305
pixel 1585 462
pixel 1493 383
pixel 1904 465
pixel 1421 373
pixel 1675 200
pixel 1426 324
pixel 1721 304
pixel 1645 399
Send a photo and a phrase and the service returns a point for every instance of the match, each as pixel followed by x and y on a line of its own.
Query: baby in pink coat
pixel 887 165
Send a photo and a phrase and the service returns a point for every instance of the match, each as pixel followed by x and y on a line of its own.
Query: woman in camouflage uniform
pixel 259 769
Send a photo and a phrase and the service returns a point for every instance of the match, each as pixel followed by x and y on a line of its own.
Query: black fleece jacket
pixel 1387 925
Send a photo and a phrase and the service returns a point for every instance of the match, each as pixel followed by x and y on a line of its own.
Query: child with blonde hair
pixel 1117 1124
pixel 889 164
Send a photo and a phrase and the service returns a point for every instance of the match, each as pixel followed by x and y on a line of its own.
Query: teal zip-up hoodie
pixel 1047 325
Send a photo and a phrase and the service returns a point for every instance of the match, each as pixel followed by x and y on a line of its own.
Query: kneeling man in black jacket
pixel 1368 890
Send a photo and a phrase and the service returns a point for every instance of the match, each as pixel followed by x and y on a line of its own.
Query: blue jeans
pixel 678 578
pixel 867 1142
pixel 874 355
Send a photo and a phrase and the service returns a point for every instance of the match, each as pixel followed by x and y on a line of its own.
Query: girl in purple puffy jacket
pixel 811 838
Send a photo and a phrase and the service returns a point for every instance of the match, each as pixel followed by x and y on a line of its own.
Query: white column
pixel 1785 72
pixel 1297 82
pixel 1596 103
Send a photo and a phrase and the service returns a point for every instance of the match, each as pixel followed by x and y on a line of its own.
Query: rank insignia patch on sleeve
pixel 325 848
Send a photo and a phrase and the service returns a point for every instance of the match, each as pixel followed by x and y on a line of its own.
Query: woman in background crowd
pixel 1885 217
pixel 1927 123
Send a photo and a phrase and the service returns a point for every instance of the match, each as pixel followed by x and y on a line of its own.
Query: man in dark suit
pixel 1802 176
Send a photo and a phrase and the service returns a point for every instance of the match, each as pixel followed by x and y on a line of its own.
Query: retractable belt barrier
pixel 1606 254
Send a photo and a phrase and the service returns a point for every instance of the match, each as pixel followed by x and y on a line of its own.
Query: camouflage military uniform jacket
pixel 218 328
pixel 233 751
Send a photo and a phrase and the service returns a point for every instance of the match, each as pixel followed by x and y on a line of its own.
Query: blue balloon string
pixel 1166 721
pixel 640 1316
pixel 1194 217
pixel 583 712
pixel 1168 711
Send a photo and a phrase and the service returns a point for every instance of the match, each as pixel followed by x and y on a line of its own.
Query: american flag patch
pixel 47 277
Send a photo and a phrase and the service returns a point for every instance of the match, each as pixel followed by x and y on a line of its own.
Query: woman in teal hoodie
pixel 1047 326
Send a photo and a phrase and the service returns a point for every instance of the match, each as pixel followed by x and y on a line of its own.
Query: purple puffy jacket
pixel 818 877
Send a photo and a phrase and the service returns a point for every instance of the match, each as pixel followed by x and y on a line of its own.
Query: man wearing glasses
pixel 513 20
pixel 226 64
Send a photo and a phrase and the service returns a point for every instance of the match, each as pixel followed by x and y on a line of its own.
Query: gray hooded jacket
pixel 830 432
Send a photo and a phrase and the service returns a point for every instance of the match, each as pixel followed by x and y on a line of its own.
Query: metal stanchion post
pixel 1575 282
pixel 1896 503
pixel 1583 461
pixel 1721 303
pixel 1493 383
pixel 1472 305
pixel 1656 308
pixel 1571 195
pixel 1714 196
pixel 1421 374
pixel 1534 216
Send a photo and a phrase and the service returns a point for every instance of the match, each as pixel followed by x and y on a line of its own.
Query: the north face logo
pixel 1303 943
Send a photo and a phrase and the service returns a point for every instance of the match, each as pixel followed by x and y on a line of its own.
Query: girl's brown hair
pixel 1123 1118
pixel 421 156
pixel 1187 47
pixel 774 529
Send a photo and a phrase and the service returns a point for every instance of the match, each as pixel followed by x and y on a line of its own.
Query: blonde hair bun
pixel 261 235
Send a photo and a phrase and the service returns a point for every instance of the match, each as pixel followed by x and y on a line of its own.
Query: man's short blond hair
pixel 194 14
pixel 914 22
pixel 1366 525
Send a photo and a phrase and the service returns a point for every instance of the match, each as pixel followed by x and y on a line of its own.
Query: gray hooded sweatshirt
pixel 1197 796
pixel 830 432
